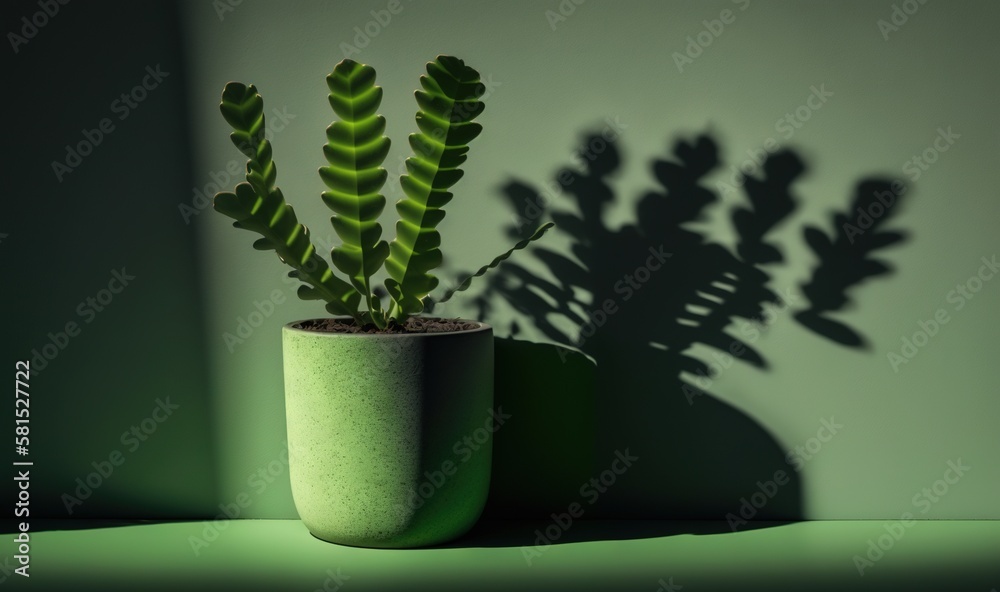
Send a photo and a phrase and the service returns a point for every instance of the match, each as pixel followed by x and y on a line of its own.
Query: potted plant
pixel 385 409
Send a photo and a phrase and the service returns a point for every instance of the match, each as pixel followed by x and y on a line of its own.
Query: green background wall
pixel 554 81
pixel 67 233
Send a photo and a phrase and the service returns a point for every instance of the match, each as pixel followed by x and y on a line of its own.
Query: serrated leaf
pixel 448 102
pixel 259 206
pixel 275 220
pixel 355 151
pixel 496 262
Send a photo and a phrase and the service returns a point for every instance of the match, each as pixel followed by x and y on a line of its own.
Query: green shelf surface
pixel 588 555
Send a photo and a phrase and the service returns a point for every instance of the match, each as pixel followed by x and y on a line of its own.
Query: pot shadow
pixel 529 535
pixel 616 414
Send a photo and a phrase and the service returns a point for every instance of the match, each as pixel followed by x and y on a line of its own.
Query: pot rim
pixel 482 327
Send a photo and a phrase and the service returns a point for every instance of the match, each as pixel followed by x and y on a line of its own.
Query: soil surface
pixel 411 325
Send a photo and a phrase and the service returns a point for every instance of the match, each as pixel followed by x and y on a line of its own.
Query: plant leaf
pixel 275 220
pixel 355 150
pixel 259 206
pixel 496 262
pixel 243 108
pixel 448 102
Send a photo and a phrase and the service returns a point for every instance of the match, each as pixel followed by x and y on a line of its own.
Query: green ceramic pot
pixel 389 436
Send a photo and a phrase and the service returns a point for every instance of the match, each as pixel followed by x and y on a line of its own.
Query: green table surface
pixel 643 556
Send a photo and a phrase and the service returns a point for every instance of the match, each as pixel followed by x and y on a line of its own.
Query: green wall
pixel 558 73
pixel 100 273
pixel 886 100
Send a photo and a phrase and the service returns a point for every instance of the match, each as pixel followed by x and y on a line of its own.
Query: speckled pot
pixel 386 433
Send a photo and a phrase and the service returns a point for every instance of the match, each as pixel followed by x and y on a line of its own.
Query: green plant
pixel 355 149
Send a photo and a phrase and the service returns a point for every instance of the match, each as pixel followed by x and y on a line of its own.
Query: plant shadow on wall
pixel 626 307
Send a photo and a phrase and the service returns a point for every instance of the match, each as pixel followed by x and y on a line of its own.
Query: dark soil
pixel 411 325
